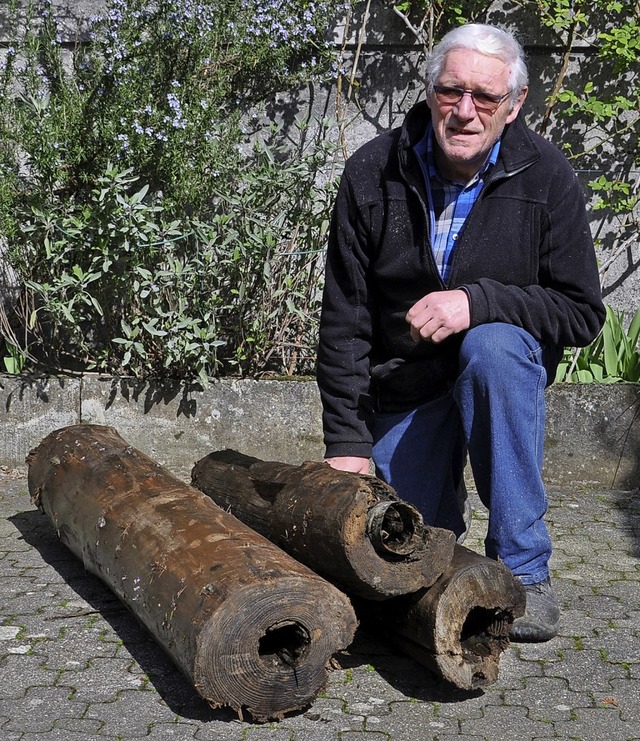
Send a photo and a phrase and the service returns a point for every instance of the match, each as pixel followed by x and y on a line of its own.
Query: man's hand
pixel 439 315
pixel 350 463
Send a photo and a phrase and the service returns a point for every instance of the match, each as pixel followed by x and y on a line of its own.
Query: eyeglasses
pixel 489 102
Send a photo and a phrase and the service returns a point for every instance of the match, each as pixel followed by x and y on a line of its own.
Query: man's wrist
pixel 350 464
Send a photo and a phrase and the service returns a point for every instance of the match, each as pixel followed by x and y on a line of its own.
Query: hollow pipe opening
pixel 485 631
pixel 288 641
pixel 392 528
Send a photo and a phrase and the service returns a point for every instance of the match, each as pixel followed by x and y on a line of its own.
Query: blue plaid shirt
pixel 449 203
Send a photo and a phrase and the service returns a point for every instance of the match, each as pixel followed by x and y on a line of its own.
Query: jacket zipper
pixel 426 243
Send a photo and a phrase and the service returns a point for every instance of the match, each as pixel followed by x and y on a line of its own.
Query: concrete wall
pixel 593 431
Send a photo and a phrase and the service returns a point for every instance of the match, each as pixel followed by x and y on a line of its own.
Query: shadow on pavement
pixel 400 671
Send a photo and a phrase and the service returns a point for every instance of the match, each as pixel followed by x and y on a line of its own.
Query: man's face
pixel 464 134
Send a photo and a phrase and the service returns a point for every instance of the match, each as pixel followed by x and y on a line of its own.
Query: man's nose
pixel 465 107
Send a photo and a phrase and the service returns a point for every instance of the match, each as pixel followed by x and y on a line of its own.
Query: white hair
pixel 485 39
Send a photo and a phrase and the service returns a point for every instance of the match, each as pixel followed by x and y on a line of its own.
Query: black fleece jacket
pixel 525 257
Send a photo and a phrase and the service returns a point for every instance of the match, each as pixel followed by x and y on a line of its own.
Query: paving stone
pixel 535 657
pixel 132 715
pixel 597 723
pixel 14 669
pixel 362 684
pixel 503 723
pixel 624 590
pixel 172 731
pixel 586 671
pixel 38 710
pixel 626 697
pixel 88 726
pixel 73 647
pixel 458 737
pixel 315 734
pixel 223 730
pixel 619 646
pixel 417 720
pixel 59 735
pixel 514 665
pixel 326 715
pixel 32 601
pixel 547 699
pixel 9 632
pixel 576 627
pixel 268 734
pixel 101 681
pixel 342 720
pixel 599 604
pixel 7 735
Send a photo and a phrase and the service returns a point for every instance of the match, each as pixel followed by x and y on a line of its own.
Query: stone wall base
pixel 592 439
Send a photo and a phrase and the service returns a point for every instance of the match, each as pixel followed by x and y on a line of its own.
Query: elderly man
pixel 460 263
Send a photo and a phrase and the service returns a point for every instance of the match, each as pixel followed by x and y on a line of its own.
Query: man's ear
pixel 517 105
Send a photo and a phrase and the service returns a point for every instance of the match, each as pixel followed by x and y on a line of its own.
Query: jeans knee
pixel 495 348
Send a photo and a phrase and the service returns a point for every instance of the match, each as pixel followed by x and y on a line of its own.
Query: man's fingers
pixel 438 315
pixel 431 331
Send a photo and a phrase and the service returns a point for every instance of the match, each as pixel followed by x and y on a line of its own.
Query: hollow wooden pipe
pixel 459 627
pixel 351 529
pixel 251 627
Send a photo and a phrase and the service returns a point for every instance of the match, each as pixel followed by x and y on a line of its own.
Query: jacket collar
pixel 517 151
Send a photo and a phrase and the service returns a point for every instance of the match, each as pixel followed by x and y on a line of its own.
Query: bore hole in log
pixel 288 641
pixel 392 528
pixel 483 631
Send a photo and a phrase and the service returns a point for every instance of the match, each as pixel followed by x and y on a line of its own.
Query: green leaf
pixel 610 337
pixel 584 376
pixel 561 371
pixel 151 329
pixel 634 330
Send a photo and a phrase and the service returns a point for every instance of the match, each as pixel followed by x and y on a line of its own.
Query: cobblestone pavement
pixel 76 666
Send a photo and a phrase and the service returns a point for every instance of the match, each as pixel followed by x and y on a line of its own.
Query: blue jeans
pixel 496 412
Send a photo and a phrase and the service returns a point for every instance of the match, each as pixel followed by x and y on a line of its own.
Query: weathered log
pixel 458 627
pixel 251 627
pixel 351 529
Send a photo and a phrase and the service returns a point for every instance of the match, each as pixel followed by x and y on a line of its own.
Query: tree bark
pixel 350 528
pixel 251 627
pixel 458 627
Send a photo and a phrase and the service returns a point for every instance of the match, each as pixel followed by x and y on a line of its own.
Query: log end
pixel 481 600
pixel 394 528
pixel 458 627
pixel 267 652
pixel 483 638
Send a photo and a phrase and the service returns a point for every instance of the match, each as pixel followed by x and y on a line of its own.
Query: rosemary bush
pixel 150 233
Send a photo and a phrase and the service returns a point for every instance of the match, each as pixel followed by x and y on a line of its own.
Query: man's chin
pixel 461 153
pixel 463 162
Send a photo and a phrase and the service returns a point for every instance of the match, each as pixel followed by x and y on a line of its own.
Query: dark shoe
pixel 541 617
